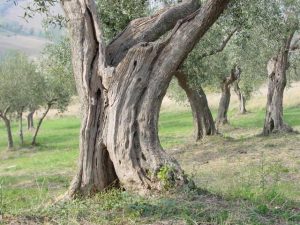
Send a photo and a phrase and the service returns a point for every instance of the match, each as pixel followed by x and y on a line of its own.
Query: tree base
pixel 283 129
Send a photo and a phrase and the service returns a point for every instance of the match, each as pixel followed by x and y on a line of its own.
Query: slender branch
pixel 221 47
pixel 49 105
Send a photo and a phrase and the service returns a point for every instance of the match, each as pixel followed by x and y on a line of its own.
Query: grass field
pixel 242 178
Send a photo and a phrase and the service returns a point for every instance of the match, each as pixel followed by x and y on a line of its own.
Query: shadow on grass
pixel 184 207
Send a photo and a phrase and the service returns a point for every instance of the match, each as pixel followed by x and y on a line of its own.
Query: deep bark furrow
pixel 124 121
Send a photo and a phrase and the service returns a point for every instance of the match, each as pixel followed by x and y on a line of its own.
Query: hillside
pixel 17 33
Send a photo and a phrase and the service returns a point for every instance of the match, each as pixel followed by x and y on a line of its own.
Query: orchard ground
pixel 242 178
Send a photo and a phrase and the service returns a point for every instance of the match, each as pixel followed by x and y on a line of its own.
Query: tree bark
pixel 30 124
pixel 119 143
pixel 3 115
pixel 241 97
pixel 225 97
pixel 20 114
pixel 277 68
pixel 204 124
pixel 49 105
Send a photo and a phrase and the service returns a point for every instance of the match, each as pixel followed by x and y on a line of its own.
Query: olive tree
pixel 278 66
pixel 57 84
pixel 17 75
pixel 6 91
pixel 121 86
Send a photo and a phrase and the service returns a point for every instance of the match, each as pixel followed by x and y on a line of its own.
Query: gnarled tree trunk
pixel 204 124
pixel 121 88
pixel 241 97
pixel 3 115
pixel 277 68
pixel 225 98
pixel 30 125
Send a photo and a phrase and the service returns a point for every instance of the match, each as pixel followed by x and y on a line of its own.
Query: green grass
pixel 250 180
pixel 256 119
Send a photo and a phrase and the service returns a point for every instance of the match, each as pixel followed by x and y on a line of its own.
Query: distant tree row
pixel 245 48
pixel 28 86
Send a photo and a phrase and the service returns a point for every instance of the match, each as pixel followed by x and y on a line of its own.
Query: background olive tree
pixel 58 85
pixel 18 88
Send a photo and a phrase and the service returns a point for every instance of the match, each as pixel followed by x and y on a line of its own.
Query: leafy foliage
pixel 57 71
pixel 20 84
pixel 116 14
pixel 261 26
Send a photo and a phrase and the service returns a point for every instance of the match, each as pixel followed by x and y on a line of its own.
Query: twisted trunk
pixel 241 97
pixel 3 115
pixel 30 125
pixel 277 68
pixel 204 124
pixel 225 97
pixel 119 143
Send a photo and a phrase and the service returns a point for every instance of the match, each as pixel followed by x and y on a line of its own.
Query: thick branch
pixel 189 31
pixel 147 29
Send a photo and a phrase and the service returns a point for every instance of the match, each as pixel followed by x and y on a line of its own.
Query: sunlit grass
pixel 228 166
